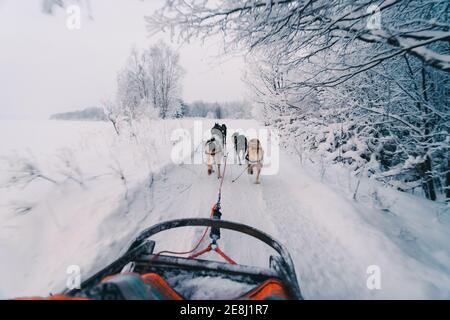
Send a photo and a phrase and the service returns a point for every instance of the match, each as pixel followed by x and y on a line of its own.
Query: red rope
pixel 186 252
pixel 209 247
pixel 216 249
pixel 181 253
pixel 197 254
pixel 227 258
pixel 219 193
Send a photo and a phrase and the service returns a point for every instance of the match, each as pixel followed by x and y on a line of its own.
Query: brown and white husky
pixel 255 158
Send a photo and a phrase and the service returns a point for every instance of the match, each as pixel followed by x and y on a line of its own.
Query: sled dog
pixel 240 146
pixel 219 132
pixel 254 158
pixel 214 154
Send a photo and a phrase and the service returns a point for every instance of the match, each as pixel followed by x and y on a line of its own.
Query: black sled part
pixel 215 231
pixel 146 247
pixel 141 253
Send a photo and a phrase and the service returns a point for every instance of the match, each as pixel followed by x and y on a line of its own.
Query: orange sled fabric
pixel 271 289
pixel 54 298
pixel 152 286
pixel 161 286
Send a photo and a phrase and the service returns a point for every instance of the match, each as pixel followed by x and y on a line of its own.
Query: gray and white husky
pixel 240 146
pixel 214 154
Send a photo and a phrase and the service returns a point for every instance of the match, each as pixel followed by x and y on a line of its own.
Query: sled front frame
pixel 169 265
pixel 282 264
pixel 141 253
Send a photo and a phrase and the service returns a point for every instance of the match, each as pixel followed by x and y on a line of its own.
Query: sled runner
pixel 141 274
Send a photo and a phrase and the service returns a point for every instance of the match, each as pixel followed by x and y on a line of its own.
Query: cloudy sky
pixel 46 68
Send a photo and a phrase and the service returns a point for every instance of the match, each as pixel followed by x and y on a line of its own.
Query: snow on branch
pixel 306 28
pixel 24 171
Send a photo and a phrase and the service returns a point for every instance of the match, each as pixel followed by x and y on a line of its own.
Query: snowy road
pixel 330 244
pixel 332 238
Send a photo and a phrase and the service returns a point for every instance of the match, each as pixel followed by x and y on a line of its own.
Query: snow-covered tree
pixel 165 75
pixel 151 80
pixel 302 29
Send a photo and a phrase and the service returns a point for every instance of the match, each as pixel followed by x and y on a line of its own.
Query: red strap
pixel 216 249
pixel 190 251
pixel 197 254
pixel 227 258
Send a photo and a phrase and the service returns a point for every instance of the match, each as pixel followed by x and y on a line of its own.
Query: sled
pixel 277 281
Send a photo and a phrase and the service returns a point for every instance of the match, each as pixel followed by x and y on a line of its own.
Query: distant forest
pixel 92 114
pixel 198 109
pixel 227 110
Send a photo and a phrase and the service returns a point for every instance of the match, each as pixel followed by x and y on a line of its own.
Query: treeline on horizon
pixel 196 109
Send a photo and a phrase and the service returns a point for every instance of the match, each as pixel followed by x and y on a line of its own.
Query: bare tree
pixel 113 113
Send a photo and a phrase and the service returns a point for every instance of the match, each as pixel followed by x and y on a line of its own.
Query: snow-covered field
pixel 73 193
